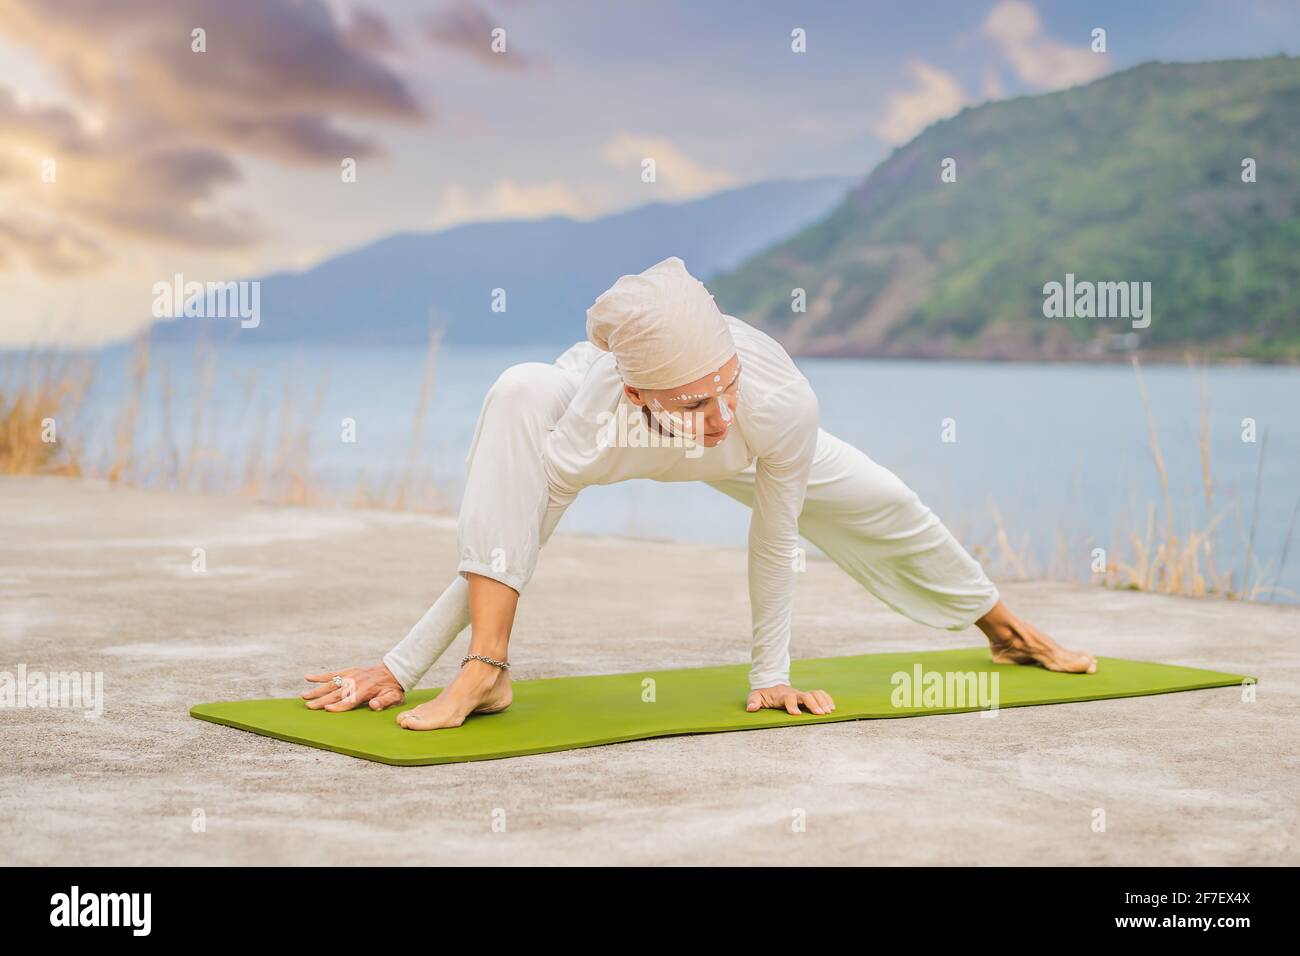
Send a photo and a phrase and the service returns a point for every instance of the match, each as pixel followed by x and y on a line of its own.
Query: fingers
pixel 352 694
pixel 387 698
pixel 325 683
pixel 320 690
pixel 357 688
pixel 809 701
pixel 349 698
pixel 332 694
pixel 816 701
pixel 819 702
pixel 338 699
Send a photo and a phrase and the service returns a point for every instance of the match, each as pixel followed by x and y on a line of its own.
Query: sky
pixel 127 155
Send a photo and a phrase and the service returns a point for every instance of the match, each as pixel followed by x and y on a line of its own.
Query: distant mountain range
pixel 550 271
pixel 1137 177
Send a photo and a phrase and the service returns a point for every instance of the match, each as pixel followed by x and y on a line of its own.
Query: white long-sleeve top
pixel 775 430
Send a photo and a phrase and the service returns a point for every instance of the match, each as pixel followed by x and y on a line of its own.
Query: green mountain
pixel 1136 177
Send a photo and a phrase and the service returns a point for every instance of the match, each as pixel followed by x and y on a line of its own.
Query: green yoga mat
pixel 564 713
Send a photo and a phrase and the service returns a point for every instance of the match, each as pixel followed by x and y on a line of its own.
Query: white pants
pixel 856 511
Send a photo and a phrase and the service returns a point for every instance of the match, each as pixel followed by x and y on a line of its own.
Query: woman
pixel 669 388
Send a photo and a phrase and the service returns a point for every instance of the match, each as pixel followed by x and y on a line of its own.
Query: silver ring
pixel 338 681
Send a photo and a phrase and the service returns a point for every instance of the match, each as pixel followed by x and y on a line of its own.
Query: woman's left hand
pixel 356 685
pixel 784 697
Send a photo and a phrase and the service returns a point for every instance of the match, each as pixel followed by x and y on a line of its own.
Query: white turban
pixel 662 326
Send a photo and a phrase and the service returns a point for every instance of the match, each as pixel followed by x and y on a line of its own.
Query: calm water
pixel 1061 451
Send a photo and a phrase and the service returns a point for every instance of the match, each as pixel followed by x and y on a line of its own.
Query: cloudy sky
pixel 126 156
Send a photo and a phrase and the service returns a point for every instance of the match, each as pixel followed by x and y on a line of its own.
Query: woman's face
pixel 704 409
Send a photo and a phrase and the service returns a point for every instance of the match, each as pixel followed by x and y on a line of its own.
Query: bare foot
pixel 483 690
pixel 1013 641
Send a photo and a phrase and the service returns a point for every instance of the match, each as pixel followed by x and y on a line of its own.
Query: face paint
pixel 677 423
pixel 684 424
pixel 717 389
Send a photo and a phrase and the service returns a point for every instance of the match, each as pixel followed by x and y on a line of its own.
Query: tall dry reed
pixel 42 398
pixel 264 452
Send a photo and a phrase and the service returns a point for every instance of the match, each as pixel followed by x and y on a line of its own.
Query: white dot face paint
pixel 689 424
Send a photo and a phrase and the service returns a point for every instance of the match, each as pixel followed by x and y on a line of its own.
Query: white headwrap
pixel 662 326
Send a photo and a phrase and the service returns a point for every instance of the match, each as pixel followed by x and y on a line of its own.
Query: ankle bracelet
pixel 486 660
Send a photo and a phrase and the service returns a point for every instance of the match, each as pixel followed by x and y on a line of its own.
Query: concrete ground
pixel 94 578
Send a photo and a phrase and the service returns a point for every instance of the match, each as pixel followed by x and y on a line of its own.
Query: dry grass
pixel 42 397
pixel 1159 552
pixel 413 488
pixel 1170 558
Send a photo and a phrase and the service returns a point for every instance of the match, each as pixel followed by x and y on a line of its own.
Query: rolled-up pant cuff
pixel 508 578
pixel 987 605
pixel 404 676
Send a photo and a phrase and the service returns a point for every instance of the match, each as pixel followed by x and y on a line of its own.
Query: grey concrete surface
pixel 99 579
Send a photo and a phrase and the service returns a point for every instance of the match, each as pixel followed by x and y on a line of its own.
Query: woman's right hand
pixel 375 684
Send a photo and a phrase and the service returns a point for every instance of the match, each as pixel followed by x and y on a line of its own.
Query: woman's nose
pixel 718 416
